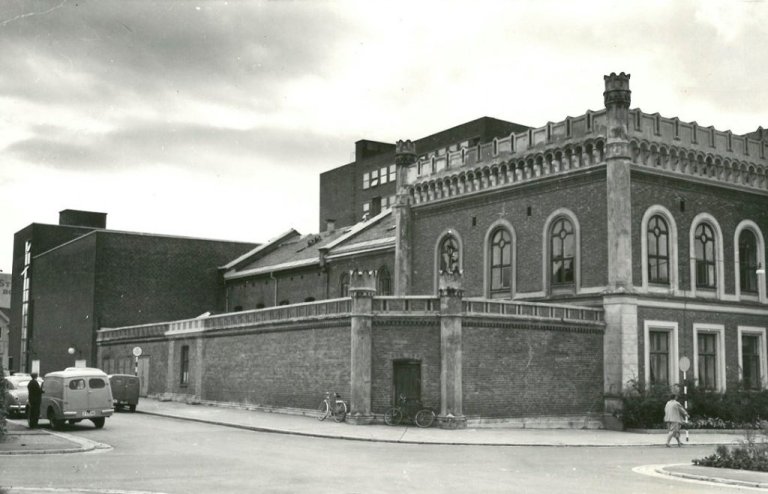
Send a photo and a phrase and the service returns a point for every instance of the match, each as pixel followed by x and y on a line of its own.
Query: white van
pixel 75 394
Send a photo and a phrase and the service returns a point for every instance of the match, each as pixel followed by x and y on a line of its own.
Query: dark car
pixel 125 390
pixel 16 395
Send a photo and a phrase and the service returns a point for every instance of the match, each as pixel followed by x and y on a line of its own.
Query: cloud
pixel 194 147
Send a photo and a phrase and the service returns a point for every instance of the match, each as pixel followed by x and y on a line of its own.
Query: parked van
pixel 125 390
pixel 75 394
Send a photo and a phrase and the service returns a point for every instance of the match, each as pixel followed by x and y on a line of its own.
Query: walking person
pixel 34 399
pixel 674 416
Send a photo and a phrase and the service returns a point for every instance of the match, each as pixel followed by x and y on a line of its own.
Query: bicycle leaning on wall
pixel 335 407
pixel 425 417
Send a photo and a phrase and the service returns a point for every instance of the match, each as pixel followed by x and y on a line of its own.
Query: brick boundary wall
pixel 514 368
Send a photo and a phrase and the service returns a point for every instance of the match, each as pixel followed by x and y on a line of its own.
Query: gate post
pixel 362 288
pixel 451 395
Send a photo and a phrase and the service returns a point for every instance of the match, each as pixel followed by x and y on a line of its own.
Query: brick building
pixel 495 240
pixel 72 278
pixel 366 186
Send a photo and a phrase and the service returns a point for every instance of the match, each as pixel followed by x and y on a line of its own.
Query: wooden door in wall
pixel 144 375
pixel 407 381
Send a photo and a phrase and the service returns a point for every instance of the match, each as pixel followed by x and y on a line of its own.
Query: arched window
pixel 384 283
pixel 704 254
pixel 344 285
pixel 449 255
pixel 501 262
pixel 658 250
pixel 748 261
pixel 562 250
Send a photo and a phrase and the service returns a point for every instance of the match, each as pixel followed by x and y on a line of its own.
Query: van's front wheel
pixel 56 424
pixel 98 422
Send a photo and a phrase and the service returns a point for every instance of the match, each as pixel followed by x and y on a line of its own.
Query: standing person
pixel 35 397
pixel 674 416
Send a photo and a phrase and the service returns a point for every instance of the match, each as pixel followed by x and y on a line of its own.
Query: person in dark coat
pixel 34 399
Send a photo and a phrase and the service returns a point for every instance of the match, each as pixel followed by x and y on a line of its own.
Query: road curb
pixel 709 478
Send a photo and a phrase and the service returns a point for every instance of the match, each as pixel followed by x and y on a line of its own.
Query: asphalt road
pixel 158 454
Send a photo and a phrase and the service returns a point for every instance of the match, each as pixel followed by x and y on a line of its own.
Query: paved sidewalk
pixel 260 420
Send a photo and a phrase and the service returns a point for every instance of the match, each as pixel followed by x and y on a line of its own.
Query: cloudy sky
pixel 214 118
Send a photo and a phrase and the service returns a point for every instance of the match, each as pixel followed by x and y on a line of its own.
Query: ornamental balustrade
pixel 382 306
pixel 409 304
pixel 140 331
pixel 558 312
pixel 579 142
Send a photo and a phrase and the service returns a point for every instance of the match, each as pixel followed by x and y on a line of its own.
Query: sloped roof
pixel 379 234
pixel 306 250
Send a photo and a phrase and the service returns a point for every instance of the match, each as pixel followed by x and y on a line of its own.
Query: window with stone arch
pixel 384 281
pixel 704 249
pixel 562 252
pixel 658 251
pixel 449 255
pixel 500 263
pixel 344 285
pixel 748 263
pixel 749 259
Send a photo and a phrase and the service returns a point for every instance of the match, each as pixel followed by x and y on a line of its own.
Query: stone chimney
pixel 330 225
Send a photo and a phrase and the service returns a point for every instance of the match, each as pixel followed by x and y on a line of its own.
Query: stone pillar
pixel 199 368
pixel 620 351
pixel 617 159
pixel 451 395
pixel 620 346
pixel 362 288
pixel 405 156
pixel 171 374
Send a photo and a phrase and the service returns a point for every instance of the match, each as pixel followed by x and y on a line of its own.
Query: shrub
pixel 751 454
pixel 734 409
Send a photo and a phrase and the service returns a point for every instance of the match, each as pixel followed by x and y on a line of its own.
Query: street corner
pixel 686 472
pixel 20 440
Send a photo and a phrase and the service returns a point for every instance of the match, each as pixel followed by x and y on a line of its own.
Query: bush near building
pixel 733 409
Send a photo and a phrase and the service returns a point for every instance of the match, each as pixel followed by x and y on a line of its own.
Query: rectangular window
pixel 392 173
pixel 184 377
pixel 707 345
pixel 752 359
pixel 383 176
pixel 708 356
pixel 660 353
pixel 374 178
pixel 659 357
pixel 366 208
pixel 375 206
pixel 366 180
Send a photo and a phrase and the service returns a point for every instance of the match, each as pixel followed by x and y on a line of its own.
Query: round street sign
pixel 685 364
pixel 137 351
